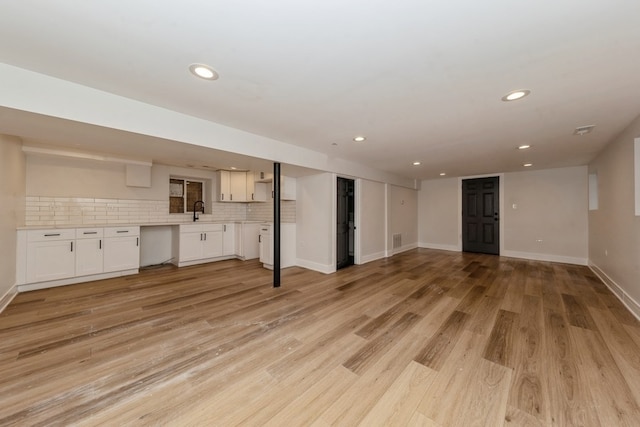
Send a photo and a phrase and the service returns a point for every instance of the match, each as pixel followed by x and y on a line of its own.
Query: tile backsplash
pixel 71 211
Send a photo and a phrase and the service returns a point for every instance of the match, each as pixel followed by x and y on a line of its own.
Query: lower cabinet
pixel 50 255
pixel 198 242
pixel 121 248
pixel 228 239
pixel 53 257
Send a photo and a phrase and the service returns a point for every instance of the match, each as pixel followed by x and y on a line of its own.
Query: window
pixel 183 193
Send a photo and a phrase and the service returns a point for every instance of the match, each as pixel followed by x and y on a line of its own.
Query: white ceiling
pixel 421 80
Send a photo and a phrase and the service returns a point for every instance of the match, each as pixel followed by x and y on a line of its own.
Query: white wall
pixel 402 211
pixel 315 210
pixel 438 214
pixel 614 230
pixel 371 220
pixel 549 222
pixel 12 202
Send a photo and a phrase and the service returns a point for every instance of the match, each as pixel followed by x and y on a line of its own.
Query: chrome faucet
pixel 195 213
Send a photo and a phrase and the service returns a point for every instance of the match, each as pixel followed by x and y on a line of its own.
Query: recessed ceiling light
pixel 203 71
pixel 442 174
pixel 416 163
pixel 233 168
pixel 528 165
pixel 516 94
pixel 524 147
pixel 359 139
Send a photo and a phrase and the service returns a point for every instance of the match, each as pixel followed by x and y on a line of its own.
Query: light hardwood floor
pixel 425 338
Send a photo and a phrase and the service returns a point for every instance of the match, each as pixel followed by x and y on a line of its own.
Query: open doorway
pixel 345 241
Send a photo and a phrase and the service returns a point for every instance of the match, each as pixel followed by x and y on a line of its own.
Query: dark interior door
pixel 345 226
pixel 481 215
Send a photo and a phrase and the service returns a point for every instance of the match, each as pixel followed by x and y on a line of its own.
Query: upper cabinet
pixel 235 186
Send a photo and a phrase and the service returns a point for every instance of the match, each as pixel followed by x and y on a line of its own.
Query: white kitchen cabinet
pixel 198 242
pixel 228 239
pixel 223 186
pixel 250 186
pixel 247 240
pixel 261 191
pixel 266 245
pixel 89 251
pixel 287 245
pixel 121 248
pixel 287 188
pixel 50 255
pixel 231 186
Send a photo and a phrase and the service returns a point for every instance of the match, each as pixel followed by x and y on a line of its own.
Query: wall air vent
pixel 397 241
pixel 583 130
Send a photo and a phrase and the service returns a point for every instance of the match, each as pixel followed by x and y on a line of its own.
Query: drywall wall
pixel 315 210
pixel 546 215
pixel 549 221
pixel 614 229
pixel 402 211
pixel 12 205
pixel 438 214
pixel 371 219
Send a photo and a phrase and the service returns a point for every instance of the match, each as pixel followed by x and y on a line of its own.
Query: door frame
pixel 500 203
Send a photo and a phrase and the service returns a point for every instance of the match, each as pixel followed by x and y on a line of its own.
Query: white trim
pixel 636 168
pixel 310 265
pixel 403 248
pixel 8 297
pixel 372 257
pixel 439 246
pixel 632 305
pixel 74 280
pixel 545 257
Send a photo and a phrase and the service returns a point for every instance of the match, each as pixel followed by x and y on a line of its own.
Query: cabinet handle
pixel 52 235
pixel 259 238
pixel 272 194
pixel 224 228
pixel 100 244
pixel 230 197
pixel 252 196
pixel 71 246
pixel 122 231
pixel 205 236
pixel 222 196
pixel 90 232
pixel 137 241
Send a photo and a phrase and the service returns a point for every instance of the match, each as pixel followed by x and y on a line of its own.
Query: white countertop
pixel 146 224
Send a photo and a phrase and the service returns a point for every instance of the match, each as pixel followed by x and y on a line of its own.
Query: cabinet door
pixel 121 253
pixel 229 239
pixel 191 246
pixel 287 188
pixel 223 186
pixel 89 257
pixel 238 187
pixel 212 244
pixel 260 191
pixel 265 249
pixel 250 241
pixel 50 260
pixel 250 187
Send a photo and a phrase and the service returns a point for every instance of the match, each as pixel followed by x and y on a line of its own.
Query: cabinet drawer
pixel 89 233
pixel 121 231
pixel 51 234
pixel 190 228
pixel 212 227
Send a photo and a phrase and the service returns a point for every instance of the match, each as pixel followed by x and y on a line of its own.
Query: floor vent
pixel 397 241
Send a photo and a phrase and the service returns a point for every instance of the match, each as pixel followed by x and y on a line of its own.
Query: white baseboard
pixel 74 280
pixel 403 248
pixel 617 290
pixel 453 248
pixel 8 297
pixel 545 257
pixel 315 266
pixel 372 257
